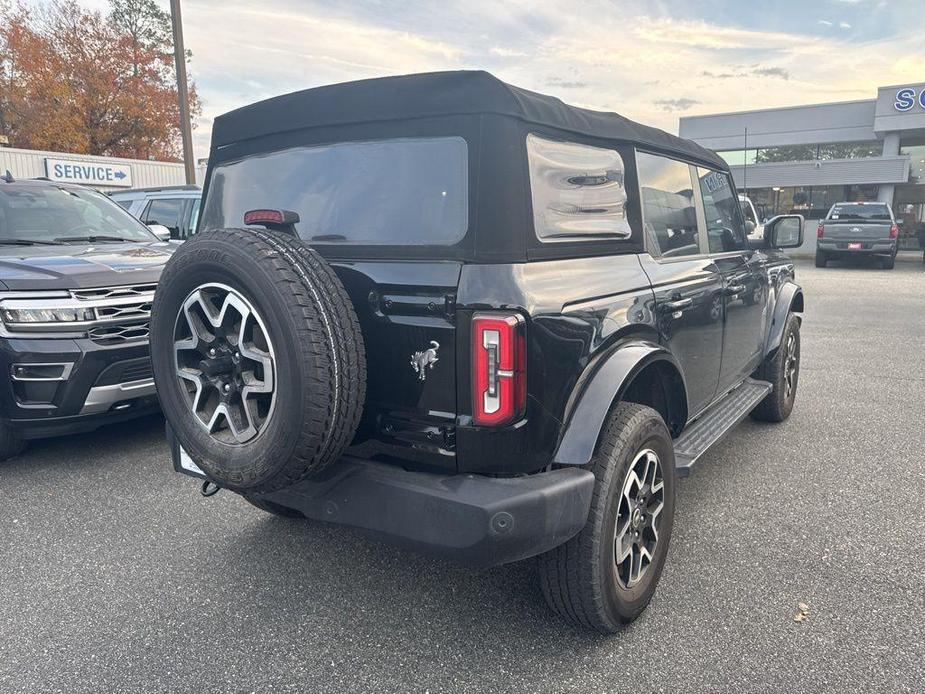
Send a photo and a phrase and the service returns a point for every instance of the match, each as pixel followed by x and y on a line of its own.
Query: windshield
pixel 856 210
pixel 53 214
pixel 400 192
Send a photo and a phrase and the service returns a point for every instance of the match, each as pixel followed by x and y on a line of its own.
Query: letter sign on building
pixel 89 172
pixel 906 99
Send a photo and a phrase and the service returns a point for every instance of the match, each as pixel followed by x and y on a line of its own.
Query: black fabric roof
pixel 437 94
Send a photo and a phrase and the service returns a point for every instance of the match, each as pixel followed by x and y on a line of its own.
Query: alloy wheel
pixel 642 499
pixel 790 365
pixel 225 364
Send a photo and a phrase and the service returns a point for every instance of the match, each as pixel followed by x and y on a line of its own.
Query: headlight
pixel 47 315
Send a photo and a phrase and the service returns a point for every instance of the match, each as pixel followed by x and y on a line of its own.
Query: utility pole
pixel 179 53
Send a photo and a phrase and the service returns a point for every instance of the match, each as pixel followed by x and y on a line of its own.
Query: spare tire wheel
pixel 258 358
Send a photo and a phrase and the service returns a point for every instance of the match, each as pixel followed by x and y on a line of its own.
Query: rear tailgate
pixel 855 230
pixel 407 316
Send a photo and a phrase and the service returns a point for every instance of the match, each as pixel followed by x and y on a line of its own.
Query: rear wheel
pixel 821 259
pixel 604 577
pixel 888 263
pixel 783 372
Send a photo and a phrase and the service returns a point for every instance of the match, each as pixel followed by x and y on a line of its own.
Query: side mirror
pixel 160 231
pixel 784 231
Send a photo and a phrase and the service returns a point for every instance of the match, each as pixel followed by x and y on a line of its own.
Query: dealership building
pixel 106 174
pixel 806 158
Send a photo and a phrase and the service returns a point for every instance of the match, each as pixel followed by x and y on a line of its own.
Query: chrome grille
pixel 113 292
pixel 117 334
pixel 141 309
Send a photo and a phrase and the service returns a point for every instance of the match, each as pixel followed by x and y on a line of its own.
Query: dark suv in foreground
pixel 472 320
pixel 77 277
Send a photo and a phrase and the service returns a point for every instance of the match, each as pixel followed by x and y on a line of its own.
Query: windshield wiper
pixel 94 239
pixel 28 242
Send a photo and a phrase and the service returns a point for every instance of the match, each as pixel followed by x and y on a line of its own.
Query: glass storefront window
pixel 916 154
pixel 837 150
pixel 813 202
pixel 791 153
pixel 738 157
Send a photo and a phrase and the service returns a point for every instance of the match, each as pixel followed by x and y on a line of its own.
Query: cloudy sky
pixel 652 61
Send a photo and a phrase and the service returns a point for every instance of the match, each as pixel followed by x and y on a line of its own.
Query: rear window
pixel 854 210
pixel 398 192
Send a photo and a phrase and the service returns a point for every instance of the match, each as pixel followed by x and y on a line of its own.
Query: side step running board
pixel 716 422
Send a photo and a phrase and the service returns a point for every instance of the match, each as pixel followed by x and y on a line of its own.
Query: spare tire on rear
pixel 258 358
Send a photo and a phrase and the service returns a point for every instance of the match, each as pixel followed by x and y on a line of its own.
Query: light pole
pixel 179 54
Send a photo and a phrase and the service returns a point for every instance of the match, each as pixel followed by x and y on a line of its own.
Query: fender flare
pixel 791 293
pixel 605 383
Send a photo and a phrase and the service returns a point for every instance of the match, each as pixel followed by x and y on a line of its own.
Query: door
pixel 687 284
pixel 744 293
pixel 407 317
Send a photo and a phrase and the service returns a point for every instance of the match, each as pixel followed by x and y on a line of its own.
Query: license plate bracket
pixel 182 462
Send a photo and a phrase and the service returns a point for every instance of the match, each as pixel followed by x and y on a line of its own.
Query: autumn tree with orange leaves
pixel 74 80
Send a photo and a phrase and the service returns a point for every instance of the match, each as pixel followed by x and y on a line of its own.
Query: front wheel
pixel 783 372
pixel 604 577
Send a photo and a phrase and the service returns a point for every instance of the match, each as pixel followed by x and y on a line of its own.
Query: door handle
pixel 735 289
pixel 678 304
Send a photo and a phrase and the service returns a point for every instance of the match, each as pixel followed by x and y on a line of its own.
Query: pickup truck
pixel 858 229
pixel 474 321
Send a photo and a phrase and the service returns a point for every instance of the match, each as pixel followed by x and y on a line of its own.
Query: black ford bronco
pixel 475 321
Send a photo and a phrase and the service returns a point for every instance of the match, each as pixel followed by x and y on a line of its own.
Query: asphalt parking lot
pixel 118 577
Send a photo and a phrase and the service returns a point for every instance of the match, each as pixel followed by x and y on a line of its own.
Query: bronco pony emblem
pixel 422 360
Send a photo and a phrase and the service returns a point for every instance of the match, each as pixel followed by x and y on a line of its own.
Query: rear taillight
pixel 499 378
pixel 894 231
pixel 820 230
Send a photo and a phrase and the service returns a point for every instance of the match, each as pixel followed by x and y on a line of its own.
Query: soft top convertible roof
pixel 438 94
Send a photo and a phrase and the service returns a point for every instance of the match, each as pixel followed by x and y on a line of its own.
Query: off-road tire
pixel 578 578
pixel 11 444
pixel 777 405
pixel 821 259
pixel 320 363
pixel 271 507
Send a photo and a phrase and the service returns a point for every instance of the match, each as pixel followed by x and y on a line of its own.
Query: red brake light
pixel 819 230
pixel 499 378
pixel 894 231
pixel 263 217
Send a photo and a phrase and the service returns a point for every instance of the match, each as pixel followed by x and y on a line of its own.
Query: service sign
pixel 88 172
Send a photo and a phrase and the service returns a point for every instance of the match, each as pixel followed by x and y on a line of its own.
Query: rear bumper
pixel 476 520
pixel 833 248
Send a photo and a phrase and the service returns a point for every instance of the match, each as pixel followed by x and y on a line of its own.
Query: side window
pixel 165 212
pixel 577 191
pixel 725 228
pixel 668 212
